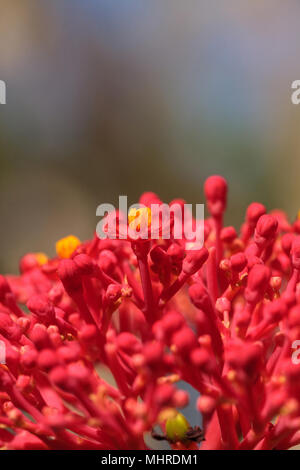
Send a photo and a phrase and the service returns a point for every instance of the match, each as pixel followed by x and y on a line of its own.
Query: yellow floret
pixel 66 246
pixel 139 218
pixel 41 258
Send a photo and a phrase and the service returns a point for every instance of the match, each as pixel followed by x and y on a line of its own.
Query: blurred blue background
pixel 109 97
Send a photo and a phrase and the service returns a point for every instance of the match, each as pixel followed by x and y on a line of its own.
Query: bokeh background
pixel 109 97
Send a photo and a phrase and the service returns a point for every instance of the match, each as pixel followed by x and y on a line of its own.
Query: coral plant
pixel 97 338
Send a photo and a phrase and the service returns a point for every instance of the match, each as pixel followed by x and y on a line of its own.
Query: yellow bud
pixel 41 258
pixel 291 406
pixel 94 422
pixel 177 427
pixel 65 247
pixel 231 375
pixel 139 218
pixel 169 379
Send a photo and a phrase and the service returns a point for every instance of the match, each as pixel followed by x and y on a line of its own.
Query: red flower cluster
pixel 97 338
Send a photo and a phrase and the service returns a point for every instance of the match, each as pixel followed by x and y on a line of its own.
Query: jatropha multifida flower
pixel 98 338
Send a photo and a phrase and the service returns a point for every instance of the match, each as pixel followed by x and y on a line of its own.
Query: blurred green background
pixel 109 97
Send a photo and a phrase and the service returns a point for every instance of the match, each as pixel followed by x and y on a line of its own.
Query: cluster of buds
pixel 99 338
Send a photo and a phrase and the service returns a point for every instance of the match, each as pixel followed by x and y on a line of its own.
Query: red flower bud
pixel 84 264
pixel 78 374
pixel 180 399
pixel 286 242
pixel 238 262
pixel 69 273
pixel 149 198
pixel 228 234
pixel 59 377
pixel 275 310
pixel 158 255
pixel 29 358
pixel 206 404
pixel 245 357
pixel 39 336
pixel 171 322
pixel 176 252
pixel 113 292
pixel 88 333
pixel 163 394
pixel 47 359
pixel 70 353
pixel 41 307
pixel 266 229
pixel 223 305
pixel 153 353
pixel 254 212
pixel 200 297
pixel 258 280
pixel 28 262
pixel 201 358
pixel 194 260
pixel 215 189
pixel 128 343
pixel 107 261
pixel 184 340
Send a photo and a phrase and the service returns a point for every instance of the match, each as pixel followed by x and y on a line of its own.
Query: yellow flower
pixel 139 218
pixel 65 247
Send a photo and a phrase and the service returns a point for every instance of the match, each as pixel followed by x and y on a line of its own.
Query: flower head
pixel 98 339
